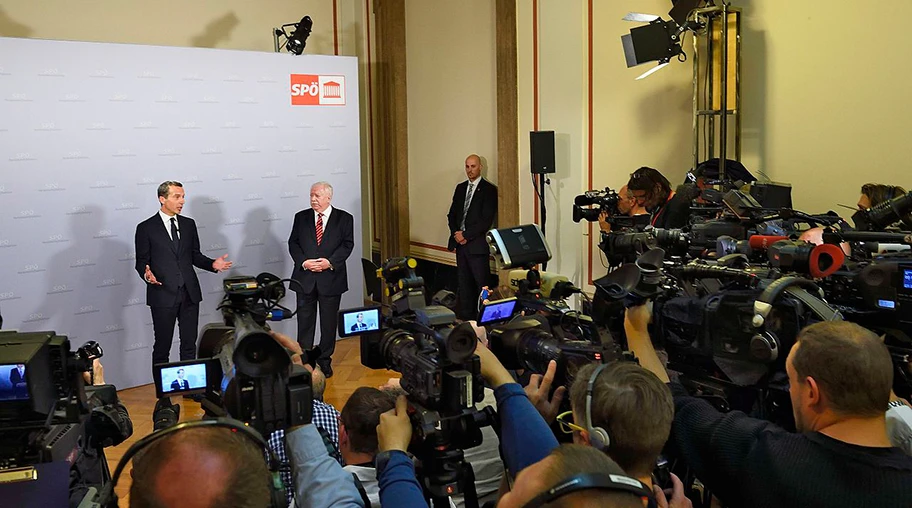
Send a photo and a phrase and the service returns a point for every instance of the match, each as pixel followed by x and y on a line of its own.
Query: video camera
pixel 590 204
pixel 440 374
pixel 885 214
pixel 43 402
pixel 242 371
pixel 538 329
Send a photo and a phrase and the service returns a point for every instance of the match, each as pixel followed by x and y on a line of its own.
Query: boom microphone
pixel 763 242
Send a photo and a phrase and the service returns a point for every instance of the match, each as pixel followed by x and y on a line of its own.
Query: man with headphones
pixel 840 376
pixel 527 442
pixel 623 410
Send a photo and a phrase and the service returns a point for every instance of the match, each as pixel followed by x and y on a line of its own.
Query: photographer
pixel 554 480
pixel 653 191
pixel 630 407
pixel 167 473
pixel 839 382
pixel 358 436
pixel 627 205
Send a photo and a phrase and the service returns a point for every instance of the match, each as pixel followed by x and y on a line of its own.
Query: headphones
pixel 108 498
pixel 597 436
pixel 590 481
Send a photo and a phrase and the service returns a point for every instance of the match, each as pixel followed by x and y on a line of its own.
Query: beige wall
pixel 827 98
pixel 229 24
pixel 451 110
pixel 634 123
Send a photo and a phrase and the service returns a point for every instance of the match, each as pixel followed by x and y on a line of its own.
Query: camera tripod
pixel 445 473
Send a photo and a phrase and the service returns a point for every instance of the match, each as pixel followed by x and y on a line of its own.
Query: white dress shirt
pixel 326 213
pixel 167 220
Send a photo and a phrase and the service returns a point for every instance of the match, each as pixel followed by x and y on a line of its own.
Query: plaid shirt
pixel 326 419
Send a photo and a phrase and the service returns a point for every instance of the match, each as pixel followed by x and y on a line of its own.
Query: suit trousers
pixel 186 313
pixel 308 304
pixel 472 271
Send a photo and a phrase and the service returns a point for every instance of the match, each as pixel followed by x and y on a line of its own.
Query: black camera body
pixel 440 373
pixel 590 204
pixel 422 342
pixel 241 371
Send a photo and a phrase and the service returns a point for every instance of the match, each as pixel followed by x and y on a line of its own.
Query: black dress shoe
pixel 326 367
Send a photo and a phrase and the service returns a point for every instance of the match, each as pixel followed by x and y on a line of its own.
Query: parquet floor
pixel 348 374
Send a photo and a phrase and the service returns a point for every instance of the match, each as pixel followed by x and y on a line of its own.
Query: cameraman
pixel 631 405
pixel 168 472
pixel 840 376
pixel 653 191
pixel 627 205
pixel 553 480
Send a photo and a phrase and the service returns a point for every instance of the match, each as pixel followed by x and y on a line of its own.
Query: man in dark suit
pixel 180 383
pixel 17 379
pixel 167 249
pixel 321 240
pixel 471 216
pixel 359 324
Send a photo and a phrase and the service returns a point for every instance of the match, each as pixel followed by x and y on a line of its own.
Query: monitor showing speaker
pixel 541 144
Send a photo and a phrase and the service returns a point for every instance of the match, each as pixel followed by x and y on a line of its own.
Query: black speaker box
pixel 541 145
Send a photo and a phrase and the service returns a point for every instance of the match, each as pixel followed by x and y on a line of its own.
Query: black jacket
pixel 338 242
pixel 154 248
pixel 479 218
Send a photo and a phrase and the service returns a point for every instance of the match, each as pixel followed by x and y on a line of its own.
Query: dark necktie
pixel 319 228
pixel 175 239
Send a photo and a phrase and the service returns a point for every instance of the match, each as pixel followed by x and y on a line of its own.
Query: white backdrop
pixel 88 131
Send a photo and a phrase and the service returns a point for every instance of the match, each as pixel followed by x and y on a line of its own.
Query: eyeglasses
pixel 566 423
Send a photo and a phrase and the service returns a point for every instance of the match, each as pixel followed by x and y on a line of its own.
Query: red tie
pixel 319 228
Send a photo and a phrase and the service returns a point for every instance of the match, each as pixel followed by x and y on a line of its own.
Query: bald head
pixel 473 167
pixel 168 472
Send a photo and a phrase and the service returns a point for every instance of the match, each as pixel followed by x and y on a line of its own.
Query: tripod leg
pixel 470 495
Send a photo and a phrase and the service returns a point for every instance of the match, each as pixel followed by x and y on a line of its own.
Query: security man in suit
pixel 471 216
pixel 167 249
pixel 321 240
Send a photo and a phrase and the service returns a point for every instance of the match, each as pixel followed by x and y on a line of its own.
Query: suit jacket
pixel 154 248
pixel 355 327
pixel 479 217
pixel 338 242
pixel 175 385
pixel 20 391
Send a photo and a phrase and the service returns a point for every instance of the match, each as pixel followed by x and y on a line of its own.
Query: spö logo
pixel 317 90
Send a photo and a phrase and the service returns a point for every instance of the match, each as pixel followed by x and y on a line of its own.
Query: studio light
pixel 297 39
pixel 659 40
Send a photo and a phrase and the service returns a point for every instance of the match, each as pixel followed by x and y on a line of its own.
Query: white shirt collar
pixel 326 213
pixel 166 218
pixel 474 182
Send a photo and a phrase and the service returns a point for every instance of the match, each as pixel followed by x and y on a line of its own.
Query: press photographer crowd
pixel 737 353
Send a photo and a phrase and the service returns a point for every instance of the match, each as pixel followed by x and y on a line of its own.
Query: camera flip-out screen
pixel 358 321
pixel 13 383
pixel 187 377
pixel 497 311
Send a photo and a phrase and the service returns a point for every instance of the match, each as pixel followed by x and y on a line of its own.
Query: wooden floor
pixel 348 374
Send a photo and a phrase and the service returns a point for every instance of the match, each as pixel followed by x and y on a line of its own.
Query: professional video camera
pixel 52 427
pixel 877 294
pixel 886 214
pixel 539 329
pixel 590 204
pixel 440 374
pixel 726 330
pixel 242 371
